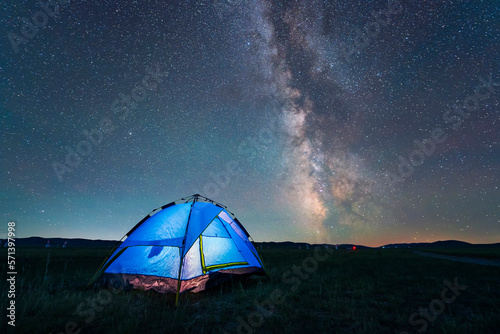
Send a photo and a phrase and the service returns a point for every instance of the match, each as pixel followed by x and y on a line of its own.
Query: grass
pixel 490 253
pixel 363 291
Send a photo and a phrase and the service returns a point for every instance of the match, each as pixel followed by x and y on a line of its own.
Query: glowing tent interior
pixel 187 245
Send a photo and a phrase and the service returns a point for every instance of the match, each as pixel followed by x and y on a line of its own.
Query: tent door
pixel 208 268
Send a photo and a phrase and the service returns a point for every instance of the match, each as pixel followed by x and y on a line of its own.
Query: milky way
pixel 325 186
pixel 330 187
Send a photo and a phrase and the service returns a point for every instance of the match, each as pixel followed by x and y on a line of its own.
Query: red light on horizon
pixel 353 247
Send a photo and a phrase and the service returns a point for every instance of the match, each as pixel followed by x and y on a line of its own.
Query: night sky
pixel 365 122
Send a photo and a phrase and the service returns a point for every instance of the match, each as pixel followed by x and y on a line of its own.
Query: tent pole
pixel 178 279
pixel 181 257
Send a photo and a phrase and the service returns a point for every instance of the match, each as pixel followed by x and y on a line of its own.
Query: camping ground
pixel 308 291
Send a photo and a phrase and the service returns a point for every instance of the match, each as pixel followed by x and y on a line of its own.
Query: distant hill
pixel 87 243
pixel 447 244
pixel 440 245
pixel 302 245
pixel 55 242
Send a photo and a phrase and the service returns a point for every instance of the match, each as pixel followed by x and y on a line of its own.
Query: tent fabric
pixel 187 246
pixel 169 285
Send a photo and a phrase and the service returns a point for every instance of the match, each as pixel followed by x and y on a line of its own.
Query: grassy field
pixel 362 291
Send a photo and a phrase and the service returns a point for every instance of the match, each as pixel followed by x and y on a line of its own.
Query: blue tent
pixel 187 245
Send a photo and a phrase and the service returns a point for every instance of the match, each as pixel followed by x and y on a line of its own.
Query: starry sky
pixel 365 122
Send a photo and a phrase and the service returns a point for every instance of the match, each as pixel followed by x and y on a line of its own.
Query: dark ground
pixel 361 291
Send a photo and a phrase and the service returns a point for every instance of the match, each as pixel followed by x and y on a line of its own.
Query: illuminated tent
pixel 186 246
